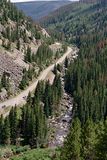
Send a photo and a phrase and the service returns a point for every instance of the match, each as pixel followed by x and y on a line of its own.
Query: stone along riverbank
pixel 59 125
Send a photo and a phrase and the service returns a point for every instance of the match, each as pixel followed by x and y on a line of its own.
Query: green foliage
pixel 86 79
pixel 72 145
pixel 15 33
pixel 28 56
pixel 86 142
pixel 102 144
pixel 39 154
pixel 5 83
pixel 20 149
pixel 43 55
pixel 6 132
pixel 27 76
pixel 13 120
pixel 52 96
pixel 30 128
pixel 1 128
pixel 89 140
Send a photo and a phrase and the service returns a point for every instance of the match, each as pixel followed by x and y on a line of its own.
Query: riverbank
pixel 59 125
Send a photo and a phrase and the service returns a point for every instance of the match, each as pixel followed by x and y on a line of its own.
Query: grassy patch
pixel 7 151
pixel 39 154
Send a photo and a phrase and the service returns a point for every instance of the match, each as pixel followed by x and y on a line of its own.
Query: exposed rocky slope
pixel 18 35
pixel 11 68
pixel 17 32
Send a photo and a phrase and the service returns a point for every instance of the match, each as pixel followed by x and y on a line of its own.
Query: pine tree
pixel 27 125
pixel 48 100
pixel 33 138
pixel 24 81
pixel 6 131
pixel 39 92
pixel 41 126
pixel 3 80
pixel 101 146
pixel 8 47
pixel 1 129
pixel 18 44
pixel 72 145
pixel 89 140
pixel 66 62
pixel 28 55
pixel 29 99
pixel 13 119
pixel 55 70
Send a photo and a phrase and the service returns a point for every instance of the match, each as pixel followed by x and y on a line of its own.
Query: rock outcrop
pixel 13 70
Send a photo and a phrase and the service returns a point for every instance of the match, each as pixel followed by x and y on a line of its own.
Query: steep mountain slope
pixel 22 44
pixel 16 34
pixel 85 24
pixel 27 55
pixel 39 9
pixel 74 19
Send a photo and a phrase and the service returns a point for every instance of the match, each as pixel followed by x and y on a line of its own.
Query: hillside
pixel 93 1
pixel 65 118
pixel 89 1
pixel 17 32
pixel 37 9
pixel 84 24
pixel 74 19
pixel 22 43
pixel 30 108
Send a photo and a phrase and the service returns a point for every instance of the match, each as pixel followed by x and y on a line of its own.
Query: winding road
pixel 19 99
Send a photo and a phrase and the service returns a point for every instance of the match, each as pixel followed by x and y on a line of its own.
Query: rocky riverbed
pixel 59 126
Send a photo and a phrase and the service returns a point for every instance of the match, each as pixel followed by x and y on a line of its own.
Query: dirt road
pixel 19 99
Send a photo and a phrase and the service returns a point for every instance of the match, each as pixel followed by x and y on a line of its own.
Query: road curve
pixel 19 99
